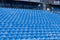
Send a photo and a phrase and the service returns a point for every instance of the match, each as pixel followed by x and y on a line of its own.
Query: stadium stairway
pixel 27 24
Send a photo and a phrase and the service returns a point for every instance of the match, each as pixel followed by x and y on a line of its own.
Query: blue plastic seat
pixel 27 24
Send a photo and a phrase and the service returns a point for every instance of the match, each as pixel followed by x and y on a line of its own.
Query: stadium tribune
pixel 28 24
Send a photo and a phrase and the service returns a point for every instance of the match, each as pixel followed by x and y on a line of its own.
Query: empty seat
pixel 27 24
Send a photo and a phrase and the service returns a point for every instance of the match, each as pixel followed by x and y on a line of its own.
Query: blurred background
pixel 50 5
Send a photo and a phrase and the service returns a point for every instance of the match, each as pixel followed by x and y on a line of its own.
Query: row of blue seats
pixel 29 24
